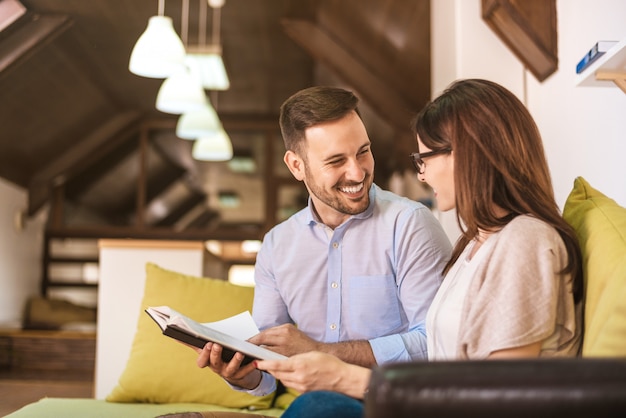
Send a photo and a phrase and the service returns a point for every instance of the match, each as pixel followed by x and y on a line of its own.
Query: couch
pixel 160 378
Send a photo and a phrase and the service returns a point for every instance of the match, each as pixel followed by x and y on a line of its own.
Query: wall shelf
pixel 608 71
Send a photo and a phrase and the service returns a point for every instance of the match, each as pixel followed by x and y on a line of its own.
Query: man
pixel 356 270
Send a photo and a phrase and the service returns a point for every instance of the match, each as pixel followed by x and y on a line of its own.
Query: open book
pixel 230 333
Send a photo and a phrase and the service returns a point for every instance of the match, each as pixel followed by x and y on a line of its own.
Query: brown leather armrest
pixel 499 388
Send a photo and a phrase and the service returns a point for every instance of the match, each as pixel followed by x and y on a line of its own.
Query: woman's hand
pixel 318 371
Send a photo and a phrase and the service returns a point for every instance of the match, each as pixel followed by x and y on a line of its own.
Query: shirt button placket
pixel 334 290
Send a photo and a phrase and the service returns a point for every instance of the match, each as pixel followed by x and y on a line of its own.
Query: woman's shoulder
pixel 531 231
pixel 528 224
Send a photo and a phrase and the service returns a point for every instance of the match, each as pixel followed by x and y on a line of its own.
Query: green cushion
pixel 162 370
pixel 92 408
pixel 600 225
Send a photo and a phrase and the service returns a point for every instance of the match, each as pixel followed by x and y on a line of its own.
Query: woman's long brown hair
pixel 498 159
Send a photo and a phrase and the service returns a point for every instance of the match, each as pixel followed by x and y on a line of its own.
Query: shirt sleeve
pixel 265 387
pixel 422 250
pixel 401 347
pixel 268 308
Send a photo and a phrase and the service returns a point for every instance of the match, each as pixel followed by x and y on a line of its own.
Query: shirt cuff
pixel 265 387
pixel 410 346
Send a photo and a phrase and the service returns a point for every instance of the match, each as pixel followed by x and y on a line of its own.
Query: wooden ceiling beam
pixel 390 37
pixel 86 151
pixel 222 232
pixel 376 91
pixel 33 31
pixel 528 29
pixel 230 121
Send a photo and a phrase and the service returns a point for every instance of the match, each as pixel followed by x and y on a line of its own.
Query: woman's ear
pixel 294 164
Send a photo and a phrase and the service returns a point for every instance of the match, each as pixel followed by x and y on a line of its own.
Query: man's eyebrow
pixel 336 156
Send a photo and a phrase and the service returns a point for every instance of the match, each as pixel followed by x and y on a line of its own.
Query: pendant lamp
pixel 216 147
pixel 199 123
pixel 205 61
pixel 206 64
pixel 181 93
pixel 158 51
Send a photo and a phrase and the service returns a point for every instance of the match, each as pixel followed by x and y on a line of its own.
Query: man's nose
pixel 354 170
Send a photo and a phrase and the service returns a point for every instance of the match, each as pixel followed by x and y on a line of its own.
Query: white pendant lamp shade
pixel 158 51
pixel 206 64
pixel 213 148
pixel 198 123
pixel 181 93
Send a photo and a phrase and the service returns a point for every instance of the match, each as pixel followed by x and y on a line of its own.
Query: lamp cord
pixel 216 25
pixel 185 22
pixel 202 24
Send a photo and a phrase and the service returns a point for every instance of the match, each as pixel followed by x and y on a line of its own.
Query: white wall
pixel 20 255
pixel 583 128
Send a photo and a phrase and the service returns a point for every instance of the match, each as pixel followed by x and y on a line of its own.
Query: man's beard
pixel 335 201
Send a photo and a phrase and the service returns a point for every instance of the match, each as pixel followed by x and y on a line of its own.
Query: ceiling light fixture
pixel 216 147
pixel 198 123
pixel 181 92
pixel 158 51
pixel 205 61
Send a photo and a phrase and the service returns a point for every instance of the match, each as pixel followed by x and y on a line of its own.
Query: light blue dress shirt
pixel 371 278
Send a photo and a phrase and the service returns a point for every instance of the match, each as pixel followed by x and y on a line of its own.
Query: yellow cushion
pixel 600 224
pixel 162 370
pixel 286 398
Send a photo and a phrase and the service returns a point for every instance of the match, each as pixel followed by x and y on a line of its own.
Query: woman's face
pixel 439 174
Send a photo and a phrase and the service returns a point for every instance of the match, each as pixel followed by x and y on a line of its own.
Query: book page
pixel 241 326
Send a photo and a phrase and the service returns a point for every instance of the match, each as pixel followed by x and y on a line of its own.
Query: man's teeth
pixel 352 189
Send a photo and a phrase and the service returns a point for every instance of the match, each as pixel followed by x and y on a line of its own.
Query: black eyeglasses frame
pixel 418 158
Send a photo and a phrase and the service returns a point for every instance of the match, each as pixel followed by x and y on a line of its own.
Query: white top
pixel 444 316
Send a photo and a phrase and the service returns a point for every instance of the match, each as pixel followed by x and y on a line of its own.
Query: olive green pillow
pixel 600 225
pixel 162 370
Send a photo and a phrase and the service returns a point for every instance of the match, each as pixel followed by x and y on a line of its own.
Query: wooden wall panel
pixel 528 28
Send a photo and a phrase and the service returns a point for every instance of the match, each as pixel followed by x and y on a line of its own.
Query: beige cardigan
pixel 517 296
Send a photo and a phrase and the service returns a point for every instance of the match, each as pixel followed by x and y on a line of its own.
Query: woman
pixel 513 286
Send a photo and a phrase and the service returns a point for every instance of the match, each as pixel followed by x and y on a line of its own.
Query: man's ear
pixel 294 164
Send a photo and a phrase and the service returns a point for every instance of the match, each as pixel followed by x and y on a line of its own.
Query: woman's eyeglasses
pixel 418 159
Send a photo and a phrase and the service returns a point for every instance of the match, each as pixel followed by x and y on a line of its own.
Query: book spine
pixel 588 59
pixel 594 53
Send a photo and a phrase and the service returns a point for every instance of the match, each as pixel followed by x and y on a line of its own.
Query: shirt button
pixel 335 245
pixel 333 327
pixel 334 285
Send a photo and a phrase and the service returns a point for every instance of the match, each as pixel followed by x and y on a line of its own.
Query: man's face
pixel 338 168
